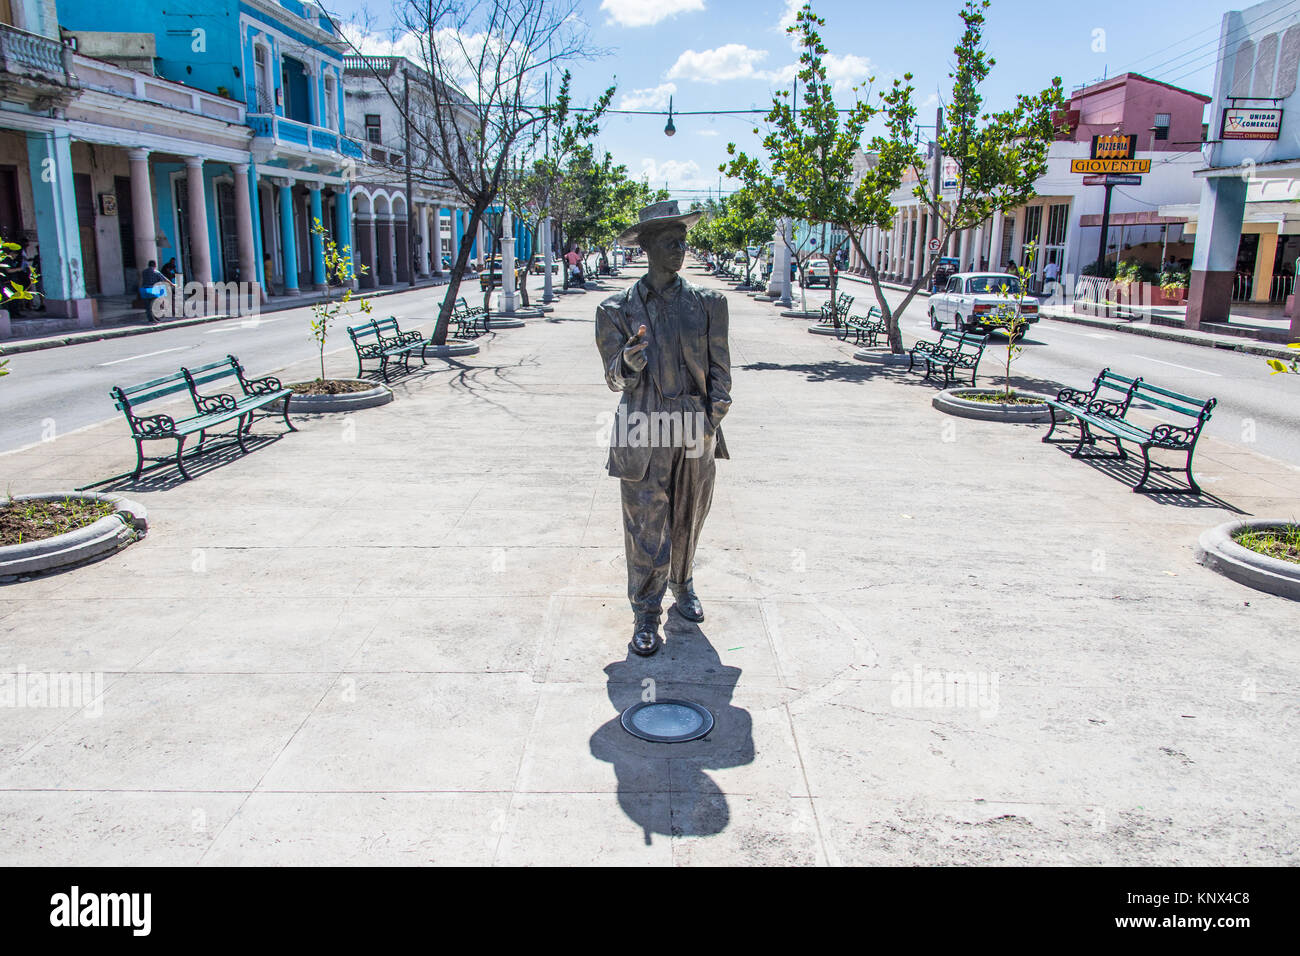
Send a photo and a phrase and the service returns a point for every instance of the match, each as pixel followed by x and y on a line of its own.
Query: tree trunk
pixel 457 273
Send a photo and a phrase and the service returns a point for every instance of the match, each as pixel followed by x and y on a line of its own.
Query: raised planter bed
pixel 98 539
pixel 453 349
pixel 953 401
pixel 822 329
pixel 367 395
pixel 1218 550
pixel 520 314
pixel 797 314
pixel 883 357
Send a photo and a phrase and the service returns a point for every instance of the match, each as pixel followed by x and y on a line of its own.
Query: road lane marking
pixel 1176 365
pixel 232 328
pixel 145 355
pixel 1086 335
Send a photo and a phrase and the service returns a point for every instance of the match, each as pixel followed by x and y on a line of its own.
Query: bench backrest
pixel 125 398
pixel 359 332
pixel 228 367
pixel 387 328
pixel 1177 402
pixel 962 341
pixel 1122 385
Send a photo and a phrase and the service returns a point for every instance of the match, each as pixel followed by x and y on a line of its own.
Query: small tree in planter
pixel 1010 319
pixel 338 271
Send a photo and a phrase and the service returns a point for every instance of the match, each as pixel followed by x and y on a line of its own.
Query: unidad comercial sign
pixel 1249 123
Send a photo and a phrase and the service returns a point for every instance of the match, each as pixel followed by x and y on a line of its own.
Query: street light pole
pixel 410 206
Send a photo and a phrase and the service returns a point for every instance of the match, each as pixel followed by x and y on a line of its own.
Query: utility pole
pixel 410 206
pixel 548 254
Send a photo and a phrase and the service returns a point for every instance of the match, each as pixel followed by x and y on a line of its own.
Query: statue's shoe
pixel 645 637
pixel 689 607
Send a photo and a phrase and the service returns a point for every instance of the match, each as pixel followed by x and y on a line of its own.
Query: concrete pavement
pixel 401 637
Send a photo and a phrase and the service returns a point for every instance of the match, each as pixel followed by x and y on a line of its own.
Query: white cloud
pixel 645 13
pixel 654 98
pixel 844 72
pixel 787 17
pixel 847 70
pixel 734 61
pixel 676 173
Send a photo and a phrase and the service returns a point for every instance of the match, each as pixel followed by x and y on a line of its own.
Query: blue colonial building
pixel 282 62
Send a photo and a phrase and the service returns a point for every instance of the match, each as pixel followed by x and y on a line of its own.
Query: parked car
pixel 971 299
pixel 819 272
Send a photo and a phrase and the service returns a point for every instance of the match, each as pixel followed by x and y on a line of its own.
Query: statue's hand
pixel 634 350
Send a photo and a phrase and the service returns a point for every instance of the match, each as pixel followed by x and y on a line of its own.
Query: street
pixel 67 388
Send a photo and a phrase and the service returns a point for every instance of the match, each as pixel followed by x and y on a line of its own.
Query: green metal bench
pixel 1093 413
pixel 471 320
pixel 954 351
pixel 390 343
pixel 865 329
pixel 254 395
pixel 210 411
pixel 836 312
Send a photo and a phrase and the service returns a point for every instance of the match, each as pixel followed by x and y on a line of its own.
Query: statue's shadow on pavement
pixel 664 787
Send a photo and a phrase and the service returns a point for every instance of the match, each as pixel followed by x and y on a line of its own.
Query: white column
pixel 918 255
pixel 780 280
pixel 428 254
pixel 244 225
pixel 895 237
pixel 977 253
pixel 963 256
pixel 509 297
pixel 548 260
pixel 995 244
pixel 146 228
pixel 200 254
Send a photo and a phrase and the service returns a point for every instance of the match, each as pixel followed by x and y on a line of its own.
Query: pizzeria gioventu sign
pixel 1112 153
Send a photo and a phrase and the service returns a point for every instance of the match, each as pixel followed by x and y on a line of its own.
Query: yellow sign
pixel 1110 165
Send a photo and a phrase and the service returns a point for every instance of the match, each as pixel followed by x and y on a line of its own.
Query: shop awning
pixel 1144 218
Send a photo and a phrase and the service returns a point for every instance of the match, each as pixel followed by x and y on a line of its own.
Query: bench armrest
pixel 147 426
pixel 1104 406
pixel 262 386
pixel 208 404
pixel 1175 436
pixel 1074 396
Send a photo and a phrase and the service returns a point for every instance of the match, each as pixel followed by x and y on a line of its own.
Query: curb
pixel 1174 335
pixel 78 338
pixel 822 330
pixel 949 401
pixel 1219 552
pixel 81 546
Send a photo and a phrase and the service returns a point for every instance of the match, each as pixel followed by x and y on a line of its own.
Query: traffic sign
pixel 1112 179
pixel 933 245
pixel 1110 165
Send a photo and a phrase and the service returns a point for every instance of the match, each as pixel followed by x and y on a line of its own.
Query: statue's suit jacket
pixel 704 352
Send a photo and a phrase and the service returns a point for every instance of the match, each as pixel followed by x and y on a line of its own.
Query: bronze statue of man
pixel 664 345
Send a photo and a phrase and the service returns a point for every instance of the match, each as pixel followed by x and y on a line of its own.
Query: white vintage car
pixel 970 301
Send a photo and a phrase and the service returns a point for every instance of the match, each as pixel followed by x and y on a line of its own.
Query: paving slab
pixel 399 636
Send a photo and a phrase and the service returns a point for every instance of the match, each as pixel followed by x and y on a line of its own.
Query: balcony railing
pixel 99 75
pixel 34 56
pixel 302 135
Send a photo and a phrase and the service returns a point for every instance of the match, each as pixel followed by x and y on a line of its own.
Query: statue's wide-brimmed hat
pixel 656 216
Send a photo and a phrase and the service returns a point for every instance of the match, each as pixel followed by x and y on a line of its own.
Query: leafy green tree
pixel 1009 316
pixel 998 156
pixel 811 148
pixel 744 222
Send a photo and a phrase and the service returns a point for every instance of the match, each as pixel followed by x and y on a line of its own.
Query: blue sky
pixel 731 54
